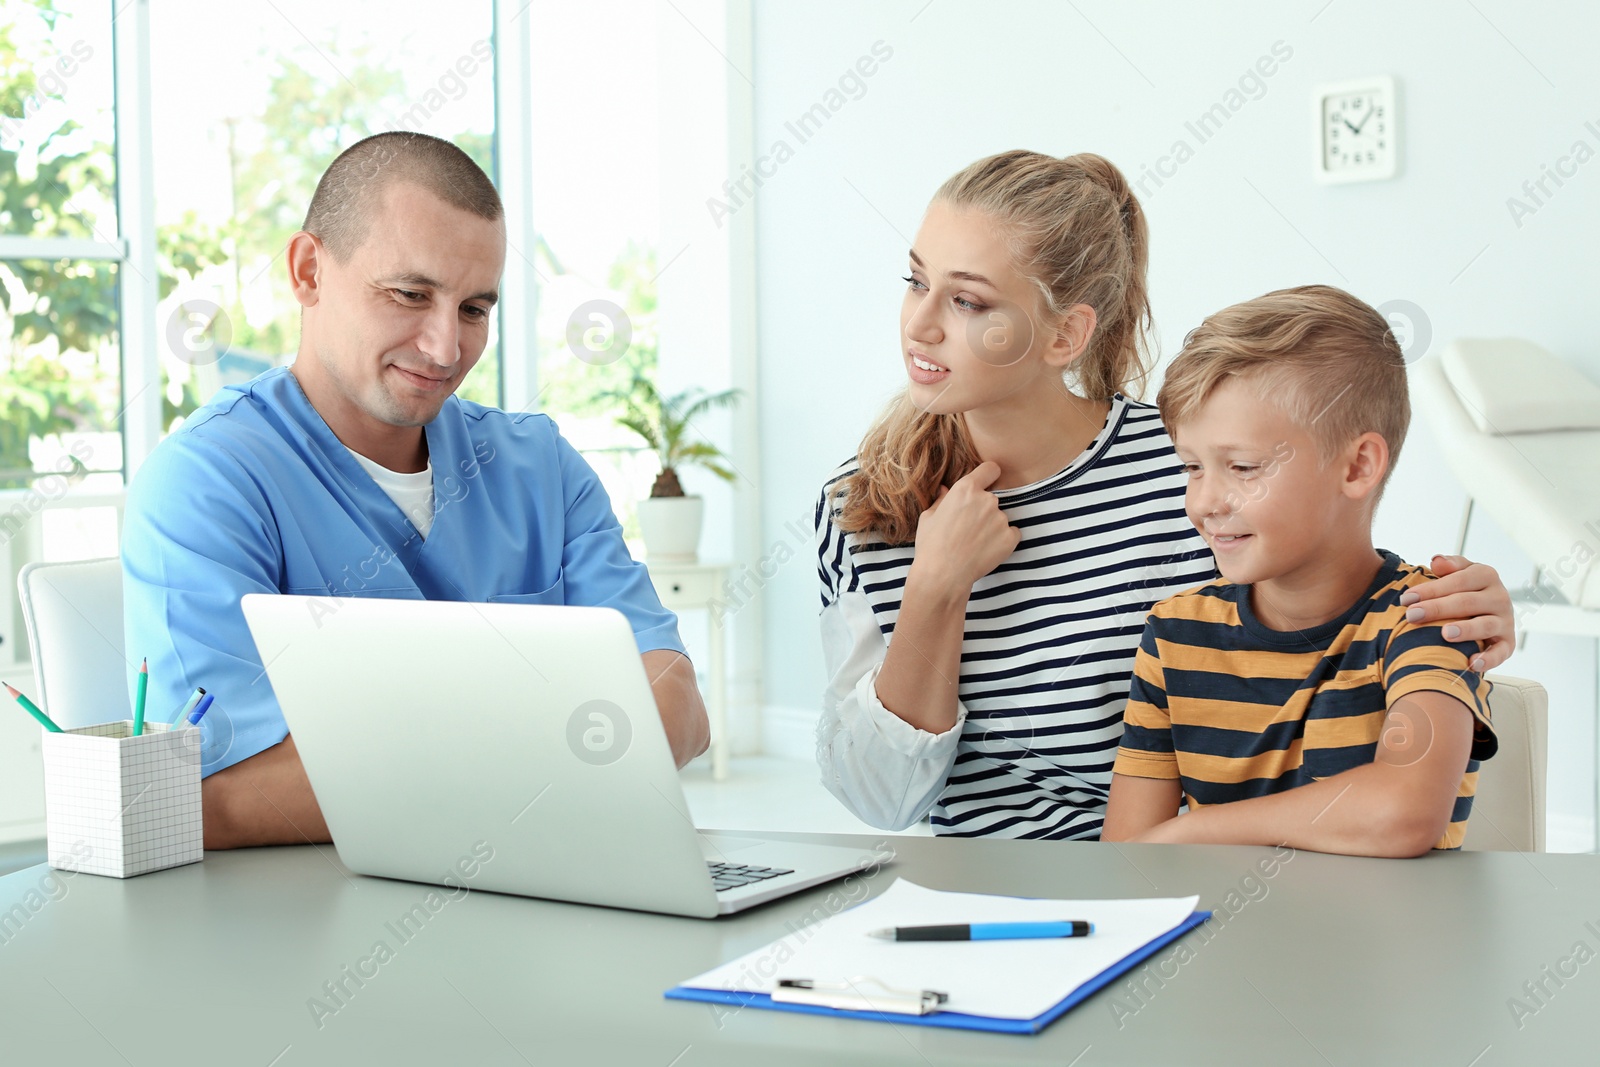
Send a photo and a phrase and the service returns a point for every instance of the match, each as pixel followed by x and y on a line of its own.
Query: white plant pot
pixel 670 526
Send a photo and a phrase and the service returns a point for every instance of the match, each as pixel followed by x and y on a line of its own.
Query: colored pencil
pixel 138 700
pixel 32 709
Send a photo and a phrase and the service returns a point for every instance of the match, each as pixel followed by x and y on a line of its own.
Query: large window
pixel 241 133
pixel 60 252
pixel 595 184
pixel 152 169
pixel 156 155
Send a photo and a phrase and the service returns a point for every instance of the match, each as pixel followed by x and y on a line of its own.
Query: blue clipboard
pixel 955 1019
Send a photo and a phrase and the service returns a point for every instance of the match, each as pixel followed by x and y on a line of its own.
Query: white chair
pixel 1508 809
pixel 74 617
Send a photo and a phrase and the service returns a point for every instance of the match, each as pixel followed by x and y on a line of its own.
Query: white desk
pixel 1329 960
pixel 691 586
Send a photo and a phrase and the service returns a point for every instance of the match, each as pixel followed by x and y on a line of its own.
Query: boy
pixel 1292 702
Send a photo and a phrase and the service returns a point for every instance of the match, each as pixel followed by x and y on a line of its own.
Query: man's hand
pixel 683 713
pixel 263 800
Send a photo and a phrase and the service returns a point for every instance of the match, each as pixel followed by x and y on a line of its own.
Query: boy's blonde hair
pixel 1326 359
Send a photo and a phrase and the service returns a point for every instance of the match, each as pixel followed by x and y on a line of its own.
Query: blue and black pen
pixel 984 931
pixel 188 706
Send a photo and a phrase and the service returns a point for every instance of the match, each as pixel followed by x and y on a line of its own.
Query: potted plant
pixel 669 520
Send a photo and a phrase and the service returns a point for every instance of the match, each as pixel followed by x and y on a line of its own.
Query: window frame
pixel 139 279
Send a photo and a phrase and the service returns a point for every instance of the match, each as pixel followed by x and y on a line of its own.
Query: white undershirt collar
pixel 411 493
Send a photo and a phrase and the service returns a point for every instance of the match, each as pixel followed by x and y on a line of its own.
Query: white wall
pixel 1488 94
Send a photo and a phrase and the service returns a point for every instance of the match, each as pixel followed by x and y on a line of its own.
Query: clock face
pixel 1358 133
pixel 1355 130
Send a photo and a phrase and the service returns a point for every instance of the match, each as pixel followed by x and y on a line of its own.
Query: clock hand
pixel 1370 112
pixel 1353 129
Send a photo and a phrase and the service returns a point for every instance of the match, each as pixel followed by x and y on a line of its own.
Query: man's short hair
pixel 1327 360
pixel 351 189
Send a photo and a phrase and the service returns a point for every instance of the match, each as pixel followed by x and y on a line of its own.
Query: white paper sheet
pixel 999 979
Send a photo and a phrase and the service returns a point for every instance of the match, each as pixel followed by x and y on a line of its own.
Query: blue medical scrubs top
pixel 254 494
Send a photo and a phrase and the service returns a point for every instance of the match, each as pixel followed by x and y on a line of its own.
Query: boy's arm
pixel 1139 804
pixel 1398 805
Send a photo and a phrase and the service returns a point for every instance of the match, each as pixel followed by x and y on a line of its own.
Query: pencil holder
pixel 121 805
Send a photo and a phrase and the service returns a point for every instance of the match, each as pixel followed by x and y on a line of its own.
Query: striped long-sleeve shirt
pixel 1050 638
pixel 1234 709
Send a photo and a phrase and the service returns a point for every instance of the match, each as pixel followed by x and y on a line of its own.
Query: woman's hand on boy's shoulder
pixel 1472 602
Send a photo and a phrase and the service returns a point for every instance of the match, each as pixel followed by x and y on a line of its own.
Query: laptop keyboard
pixel 732 875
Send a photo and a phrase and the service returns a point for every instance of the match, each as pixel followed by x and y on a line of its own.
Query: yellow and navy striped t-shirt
pixel 1235 709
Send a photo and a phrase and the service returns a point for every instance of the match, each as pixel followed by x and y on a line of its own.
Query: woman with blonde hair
pixel 990 554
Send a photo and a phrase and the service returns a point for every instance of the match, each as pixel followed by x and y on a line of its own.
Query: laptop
pixel 509 747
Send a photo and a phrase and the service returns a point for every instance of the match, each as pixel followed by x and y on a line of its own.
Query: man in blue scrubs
pixel 357 472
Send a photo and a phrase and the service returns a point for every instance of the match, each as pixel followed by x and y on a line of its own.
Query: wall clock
pixel 1357 130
